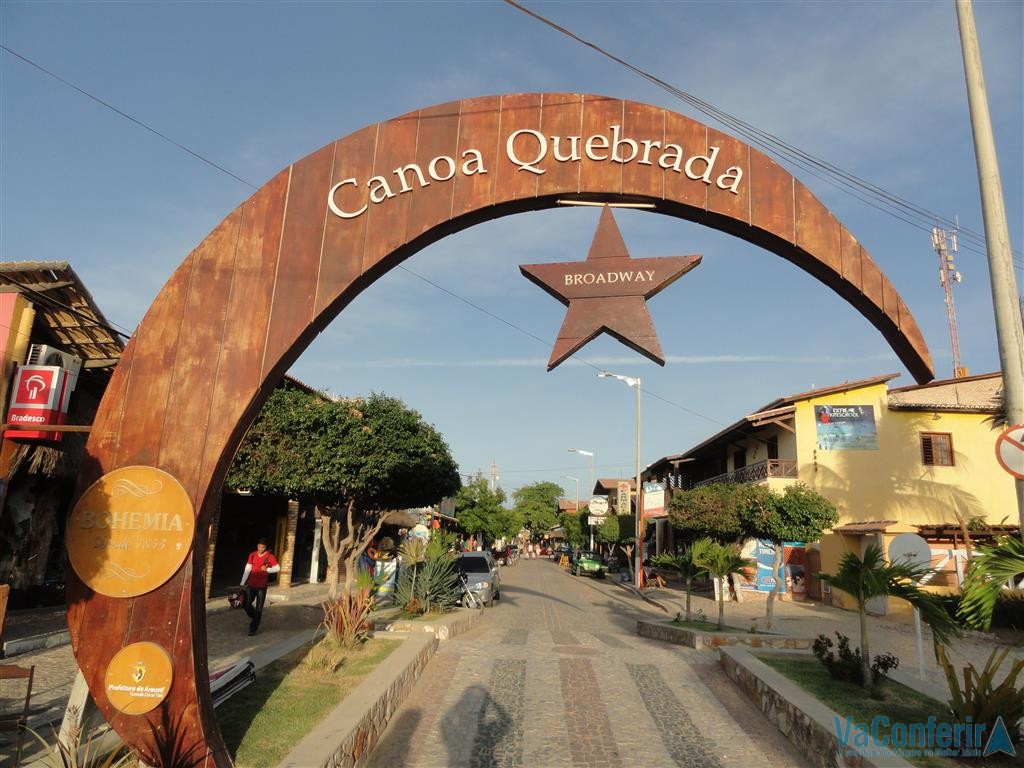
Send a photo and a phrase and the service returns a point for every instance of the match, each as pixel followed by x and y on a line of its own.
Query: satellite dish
pixel 910 548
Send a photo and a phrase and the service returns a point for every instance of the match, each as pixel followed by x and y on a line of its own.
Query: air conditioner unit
pixel 42 354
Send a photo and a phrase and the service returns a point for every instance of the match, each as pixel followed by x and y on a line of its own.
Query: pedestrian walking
pixel 258 567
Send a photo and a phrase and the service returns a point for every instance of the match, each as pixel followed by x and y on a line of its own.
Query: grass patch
pixel 266 720
pixel 901 704
pixel 707 626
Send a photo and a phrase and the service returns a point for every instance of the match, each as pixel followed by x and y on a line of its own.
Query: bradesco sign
pixel 38 399
pixel 531 151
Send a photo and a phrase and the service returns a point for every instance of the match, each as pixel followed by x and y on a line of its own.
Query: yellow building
pixel 892 460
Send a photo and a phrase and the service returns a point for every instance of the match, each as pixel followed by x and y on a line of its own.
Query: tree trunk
pixel 865 654
pixel 689 583
pixel 722 586
pixel 628 549
pixel 331 540
pixel 776 565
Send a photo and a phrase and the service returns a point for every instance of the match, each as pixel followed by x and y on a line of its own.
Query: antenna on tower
pixel 494 475
pixel 944 244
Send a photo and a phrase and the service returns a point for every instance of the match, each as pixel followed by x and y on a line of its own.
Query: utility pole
pixel 494 476
pixel 1009 329
pixel 944 244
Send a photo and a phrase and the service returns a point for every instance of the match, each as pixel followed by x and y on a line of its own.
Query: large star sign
pixel 608 293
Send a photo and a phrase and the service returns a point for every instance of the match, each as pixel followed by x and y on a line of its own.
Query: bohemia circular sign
pixel 138 678
pixel 130 531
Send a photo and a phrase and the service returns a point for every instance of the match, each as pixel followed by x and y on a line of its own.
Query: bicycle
pixel 469 597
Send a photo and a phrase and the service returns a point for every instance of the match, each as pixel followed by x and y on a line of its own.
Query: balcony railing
pixel 755 473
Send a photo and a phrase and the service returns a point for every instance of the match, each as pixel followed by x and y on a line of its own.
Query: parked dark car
pixel 482 575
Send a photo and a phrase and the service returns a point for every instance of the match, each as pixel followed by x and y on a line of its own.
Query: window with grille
pixel 937 449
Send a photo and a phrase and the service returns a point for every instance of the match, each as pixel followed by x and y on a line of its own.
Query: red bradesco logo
pixel 37 400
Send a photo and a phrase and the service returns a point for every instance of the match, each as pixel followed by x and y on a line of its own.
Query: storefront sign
pixel 36 400
pixel 654 501
pixel 130 531
pixel 598 505
pixel 846 427
pixel 622 498
pixel 138 678
pixel 531 151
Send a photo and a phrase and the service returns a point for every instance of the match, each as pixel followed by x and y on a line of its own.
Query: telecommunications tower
pixel 944 244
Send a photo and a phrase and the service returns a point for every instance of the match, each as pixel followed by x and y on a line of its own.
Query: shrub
pixel 427 581
pixel 845 663
pixel 980 699
pixel 844 666
pixel 345 617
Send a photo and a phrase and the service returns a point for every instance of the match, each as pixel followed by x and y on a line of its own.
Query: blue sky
pixel 876 88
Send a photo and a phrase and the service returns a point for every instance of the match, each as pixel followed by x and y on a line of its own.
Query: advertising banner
pixel 654 500
pixel 36 399
pixel 622 498
pixel 846 427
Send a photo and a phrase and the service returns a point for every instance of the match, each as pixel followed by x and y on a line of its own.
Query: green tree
pixel 721 561
pixel 870 577
pixel 480 512
pixel 538 505
pixel 799 514
pixel 707 510
pixel 685 566
pixel 990 569
pixel 354 459
pixel 572 527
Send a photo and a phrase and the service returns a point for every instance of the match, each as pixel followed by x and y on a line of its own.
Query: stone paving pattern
pixel 555 676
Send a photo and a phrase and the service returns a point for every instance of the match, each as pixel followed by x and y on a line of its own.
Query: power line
pixel 889 202
pixel 56 304
pixel 126 116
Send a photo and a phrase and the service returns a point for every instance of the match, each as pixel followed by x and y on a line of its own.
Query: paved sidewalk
pixel 555 675
pixel 809 619
pixel 287 613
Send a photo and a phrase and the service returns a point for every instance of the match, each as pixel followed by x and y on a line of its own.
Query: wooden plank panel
pixel 239 359
pixel 642 175
pixel 478 129
pixel 342 257
pixel 387 221
pixel 771 196
pixel 520 111
pixel 850 254
pixel 145 400
pixel 890 300
pixel 599 115
pixel 438 138
pixel 871 285
pixel 561 117
pixel 191 396
pixel 817 231
pixel 684 138
pixel 732 153
pixel 299 262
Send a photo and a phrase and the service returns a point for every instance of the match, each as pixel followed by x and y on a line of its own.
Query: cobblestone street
pixel 555 675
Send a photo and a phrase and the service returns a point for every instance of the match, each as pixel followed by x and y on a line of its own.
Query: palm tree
pixel 684 565
pixel 871 577
pixel 721 561
pixel 990 569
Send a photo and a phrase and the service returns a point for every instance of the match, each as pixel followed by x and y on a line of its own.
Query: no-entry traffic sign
pixel 1010 450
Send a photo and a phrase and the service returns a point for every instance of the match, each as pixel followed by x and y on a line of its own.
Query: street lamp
pixel 570 477
pixel 634 381
pixel 582 452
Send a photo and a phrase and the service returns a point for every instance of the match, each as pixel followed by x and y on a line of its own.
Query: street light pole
pixel 569 477
pixel 582 452
pixel 634 381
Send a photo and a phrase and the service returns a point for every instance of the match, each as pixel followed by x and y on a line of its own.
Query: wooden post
pixel 287 557
pixel 212 548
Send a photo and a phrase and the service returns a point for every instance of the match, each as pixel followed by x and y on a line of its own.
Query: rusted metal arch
pixel 247 301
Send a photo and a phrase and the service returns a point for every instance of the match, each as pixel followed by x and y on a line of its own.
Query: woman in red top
pixel 258 567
